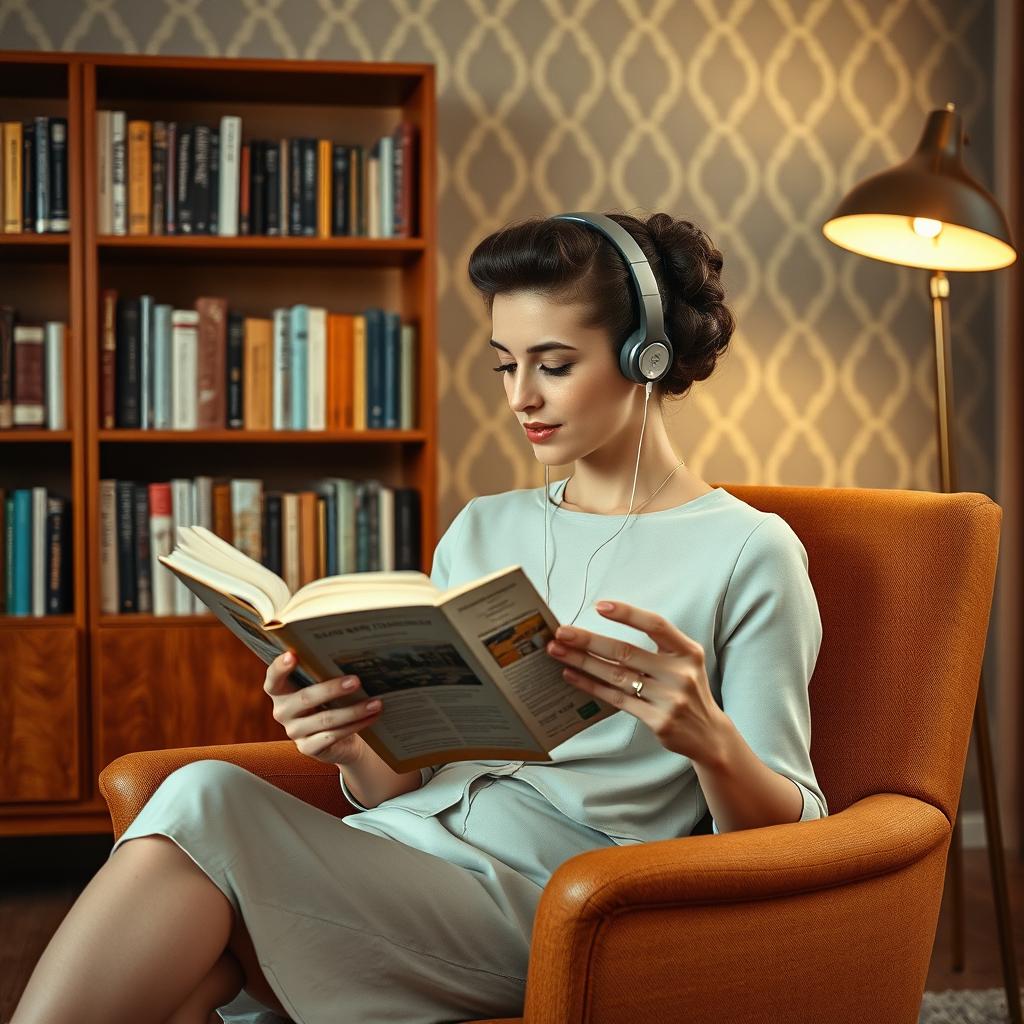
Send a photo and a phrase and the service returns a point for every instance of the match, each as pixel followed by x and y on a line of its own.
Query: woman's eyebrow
pixel 544 346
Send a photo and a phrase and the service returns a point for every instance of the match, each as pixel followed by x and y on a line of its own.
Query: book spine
pixel 247 517
pixel 127 583
pixel 295 186
pixel 161 524
pixel 339 189
pixel 139 177
pixel 309 187
pixel 392 328
pixel 38 551
pixel 201 179
pixel 58 557
pixel 21 547
pixel 28 177
pixel 407 528
pixel 407 373
pixel 162 367
pixel 146 362
pixel 282 371
pixel 283 192
pixel 212 362
pixel 128 359
pixel 235 370
pixel 272 188
pixel 29 377
pixel 54 359
pixel 184 347
pixel 108 360
pixel 181 515
pixel 183 172
pixel 143 576
pixel 244 172
pixel 42 205
pixel 272 532
pixel 213 191
pixel 6 367
pixel 158 178
pixel 171 192
pixel 109 596
pixel 12 144
pixel 298 329
pixel 258 188
pixel 119 173
pixel 316 377
pixel 230 160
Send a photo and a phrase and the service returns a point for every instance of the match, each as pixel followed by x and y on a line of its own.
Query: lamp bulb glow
pixel 926 227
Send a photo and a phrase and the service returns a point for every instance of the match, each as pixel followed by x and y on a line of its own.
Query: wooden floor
pixel 40 880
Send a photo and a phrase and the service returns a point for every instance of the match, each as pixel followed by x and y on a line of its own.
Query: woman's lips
pixel 542 434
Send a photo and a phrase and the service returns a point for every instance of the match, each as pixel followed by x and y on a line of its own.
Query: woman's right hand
pixel 327 734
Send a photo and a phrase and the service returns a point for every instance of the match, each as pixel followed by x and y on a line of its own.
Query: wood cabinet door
pixel 177 686
pixel 39 714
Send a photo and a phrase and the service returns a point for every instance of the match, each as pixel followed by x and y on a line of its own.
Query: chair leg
pixel 955 892
pixel 996 857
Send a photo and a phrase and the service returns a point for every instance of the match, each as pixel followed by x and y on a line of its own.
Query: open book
pixel 463 673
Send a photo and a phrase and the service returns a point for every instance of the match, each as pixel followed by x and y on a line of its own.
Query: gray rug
pixel 964 1006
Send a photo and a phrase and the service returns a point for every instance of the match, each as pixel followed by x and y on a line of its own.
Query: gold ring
pixel 638 685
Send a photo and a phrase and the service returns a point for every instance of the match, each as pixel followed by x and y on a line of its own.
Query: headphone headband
pixel 646 355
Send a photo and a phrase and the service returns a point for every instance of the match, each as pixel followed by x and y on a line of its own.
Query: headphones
pixel 646 355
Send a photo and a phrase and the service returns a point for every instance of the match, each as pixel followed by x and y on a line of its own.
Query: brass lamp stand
pixel 929 212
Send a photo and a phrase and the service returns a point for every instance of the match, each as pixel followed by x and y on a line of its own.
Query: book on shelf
pixel 463 673
pixel 213 367
pixel 32 367
pixel 334 526
pixel 35 552
pixel 34 178
pixel 166 177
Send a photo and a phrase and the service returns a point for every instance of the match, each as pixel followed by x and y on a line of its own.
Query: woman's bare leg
pixel 220 986
pixel 137 943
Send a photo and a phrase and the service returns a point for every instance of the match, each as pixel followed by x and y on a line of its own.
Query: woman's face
pixel 573 381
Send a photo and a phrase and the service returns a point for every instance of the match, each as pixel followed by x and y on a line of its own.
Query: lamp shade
pixel 927 211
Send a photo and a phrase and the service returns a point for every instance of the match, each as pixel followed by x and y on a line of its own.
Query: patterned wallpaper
pixel 750 118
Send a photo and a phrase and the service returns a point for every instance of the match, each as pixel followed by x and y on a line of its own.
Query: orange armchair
pixel 828 920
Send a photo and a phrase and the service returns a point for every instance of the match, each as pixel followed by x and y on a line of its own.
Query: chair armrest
pixel 130 780
pixel 832 919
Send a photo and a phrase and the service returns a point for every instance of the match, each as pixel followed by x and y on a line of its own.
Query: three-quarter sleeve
pixel 440 575
pixel 767 647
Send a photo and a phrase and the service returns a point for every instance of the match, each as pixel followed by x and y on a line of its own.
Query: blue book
pixel 162 367
pixel 392 330
pixel 22 540
pixel 9 551
pixel 298 329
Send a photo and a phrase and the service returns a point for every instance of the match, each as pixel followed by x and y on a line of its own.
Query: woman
pixel 420 906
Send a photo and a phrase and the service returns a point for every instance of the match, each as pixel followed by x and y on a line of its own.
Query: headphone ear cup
pixel 629 358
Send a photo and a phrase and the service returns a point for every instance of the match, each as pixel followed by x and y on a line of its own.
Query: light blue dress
pixel 420 910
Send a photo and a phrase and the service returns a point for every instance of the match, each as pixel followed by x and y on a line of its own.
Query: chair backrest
pixel 904 582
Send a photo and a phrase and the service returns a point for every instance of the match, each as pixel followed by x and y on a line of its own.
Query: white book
pixel 104 174
pixel 181 515
pixel 230 160
pixel 161 542
pixel 407 377
pixel 185 372
pixel 282 380
pixel 387 186
pixel 54 361
pixel 204 502
pixel 290 540
pixel 386 528
pixel 247 517
pixel 38 551
pixel 316 358
pixel 119 172
pixel 109 596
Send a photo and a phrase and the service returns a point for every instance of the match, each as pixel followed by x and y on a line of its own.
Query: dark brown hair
pixel 568 262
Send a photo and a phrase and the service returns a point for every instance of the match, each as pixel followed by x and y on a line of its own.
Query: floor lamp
pixel 929 212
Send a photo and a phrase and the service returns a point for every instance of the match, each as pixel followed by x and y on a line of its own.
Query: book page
pixel 439 703
pixel 507 622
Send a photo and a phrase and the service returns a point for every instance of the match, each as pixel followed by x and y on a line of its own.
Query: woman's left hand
pixel 676 701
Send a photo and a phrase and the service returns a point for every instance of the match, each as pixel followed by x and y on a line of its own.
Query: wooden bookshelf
pixel 143 681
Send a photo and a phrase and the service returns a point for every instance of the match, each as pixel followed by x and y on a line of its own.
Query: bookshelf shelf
pixel 262 436
pixel 138 681
pixel 36 621
pixel 374 252
pixel 36 436
pixel 130 619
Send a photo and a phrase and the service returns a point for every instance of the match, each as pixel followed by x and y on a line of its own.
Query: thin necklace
pixel 547 495
pixel 649 497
